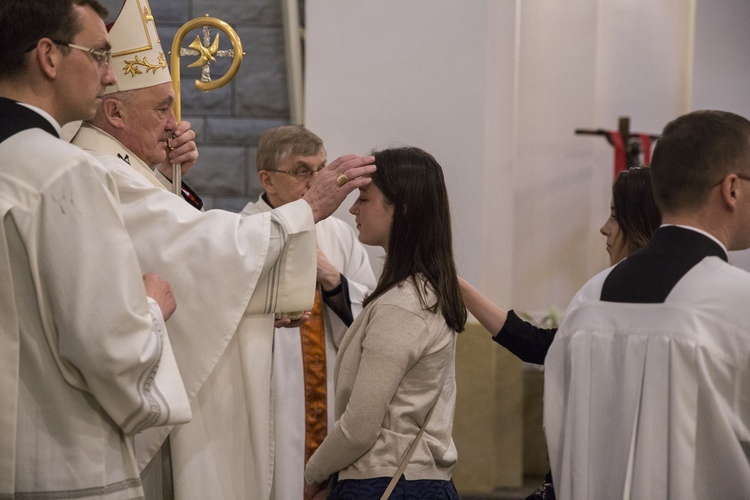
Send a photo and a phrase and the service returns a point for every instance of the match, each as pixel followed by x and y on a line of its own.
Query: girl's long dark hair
pixel 421 240
pixel 635 207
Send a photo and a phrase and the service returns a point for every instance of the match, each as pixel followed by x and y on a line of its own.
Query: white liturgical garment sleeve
pixel 229 274
pixel 338 241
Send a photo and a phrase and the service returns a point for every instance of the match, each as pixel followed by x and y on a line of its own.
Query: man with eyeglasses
pixel 85 360
pixel 101 56
pixel 647 381
pixel 230 272
pixel 288 159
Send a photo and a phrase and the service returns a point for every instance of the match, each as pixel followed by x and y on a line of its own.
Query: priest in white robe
pixel 85 360
pixel 230 272
pixel 288 158
pixel 646 382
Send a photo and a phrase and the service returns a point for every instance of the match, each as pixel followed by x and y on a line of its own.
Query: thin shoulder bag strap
pixel 407 457
pixel 413 447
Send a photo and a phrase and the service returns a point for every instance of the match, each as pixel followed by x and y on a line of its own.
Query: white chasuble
pixel 229 274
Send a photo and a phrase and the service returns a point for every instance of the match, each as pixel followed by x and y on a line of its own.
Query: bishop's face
pixel 149 120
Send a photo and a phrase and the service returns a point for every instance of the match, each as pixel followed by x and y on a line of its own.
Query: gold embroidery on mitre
pixel 145 15
pixel 131 67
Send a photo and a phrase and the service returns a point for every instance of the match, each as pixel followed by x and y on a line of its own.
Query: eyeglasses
pixel 300 173
pixel 102 57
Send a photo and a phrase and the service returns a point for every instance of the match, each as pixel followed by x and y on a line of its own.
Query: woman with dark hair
pixel 633 216
pixel 633 219
pixel 395 369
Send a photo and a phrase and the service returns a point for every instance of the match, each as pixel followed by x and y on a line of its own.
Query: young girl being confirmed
pixel 395 369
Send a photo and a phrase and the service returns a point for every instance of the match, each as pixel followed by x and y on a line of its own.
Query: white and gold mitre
pixel 137 57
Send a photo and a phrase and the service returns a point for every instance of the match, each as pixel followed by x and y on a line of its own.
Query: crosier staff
pixel 207 52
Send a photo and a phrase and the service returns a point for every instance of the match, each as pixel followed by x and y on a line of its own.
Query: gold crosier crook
pixel 206 53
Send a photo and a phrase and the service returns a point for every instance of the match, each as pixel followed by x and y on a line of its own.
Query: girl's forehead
pixel 371 187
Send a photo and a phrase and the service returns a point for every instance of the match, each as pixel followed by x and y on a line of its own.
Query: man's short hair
pixel 24 22
pixel 277 144
pixel 694 152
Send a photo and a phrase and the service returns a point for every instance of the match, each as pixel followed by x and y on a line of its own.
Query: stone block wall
pixel 228 121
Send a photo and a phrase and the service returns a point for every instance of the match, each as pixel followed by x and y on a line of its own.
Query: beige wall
pixel 428 74
pixel 495 89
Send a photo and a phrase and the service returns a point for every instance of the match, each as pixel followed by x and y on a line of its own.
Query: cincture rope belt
pixel 313 342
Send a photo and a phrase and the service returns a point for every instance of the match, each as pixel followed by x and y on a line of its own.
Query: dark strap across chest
pixel 15 118
pixel 650 274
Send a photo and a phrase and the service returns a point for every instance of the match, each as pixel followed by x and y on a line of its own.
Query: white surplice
pixel 229 273
pixel 85 357
pixel 339 242
pixel 653 400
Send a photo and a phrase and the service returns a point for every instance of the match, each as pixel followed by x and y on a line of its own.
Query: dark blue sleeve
pixel 339 302
pixel 525 340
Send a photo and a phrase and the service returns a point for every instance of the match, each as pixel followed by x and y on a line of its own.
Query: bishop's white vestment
pixel 339 242
pixel 647 382
pixel 85 360
pixel 229 273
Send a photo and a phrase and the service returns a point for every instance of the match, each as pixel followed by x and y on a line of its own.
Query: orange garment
pixel 313 341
